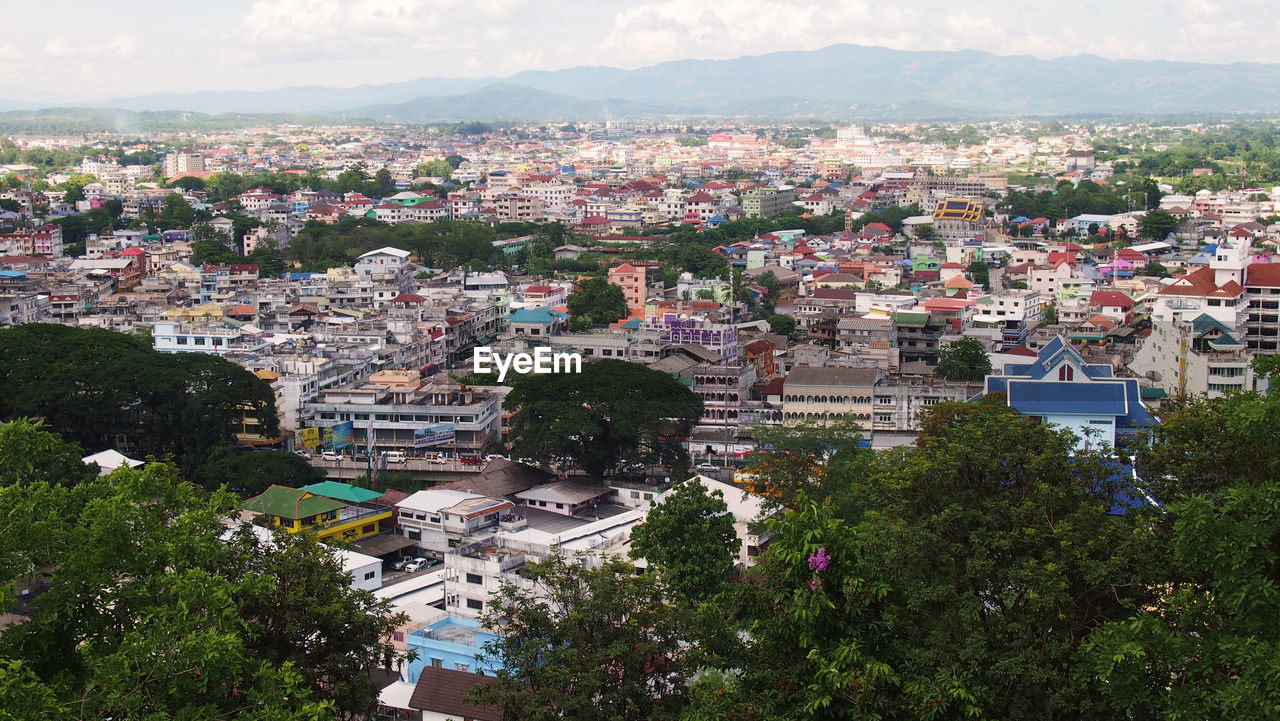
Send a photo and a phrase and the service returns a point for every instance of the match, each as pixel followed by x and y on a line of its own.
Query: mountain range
pixel 840 81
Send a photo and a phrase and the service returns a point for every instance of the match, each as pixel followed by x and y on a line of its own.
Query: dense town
pixel 852 277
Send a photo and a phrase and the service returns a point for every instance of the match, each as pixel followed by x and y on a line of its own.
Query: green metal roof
pixel 911 318
pixel 294 503
pixel 342 491
pixel 1153 394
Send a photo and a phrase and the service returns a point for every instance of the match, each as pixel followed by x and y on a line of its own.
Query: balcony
pixel 354 514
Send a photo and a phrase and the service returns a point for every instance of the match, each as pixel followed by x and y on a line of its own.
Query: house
pixel 632 282
pixel 1058 386
pixel 538 322
pixel 338 511
pixel 1112 304
pixel 434 517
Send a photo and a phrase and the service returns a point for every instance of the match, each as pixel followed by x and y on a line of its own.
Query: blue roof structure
pixel 1036 398
pixel 1059 383
pixel 541 314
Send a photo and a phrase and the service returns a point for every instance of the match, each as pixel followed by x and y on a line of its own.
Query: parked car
pixel 707 468
pixel 331 456
pixel 415 565
pixel 399 564
pixel 439 460
pixel 472 460
pixel 360 458
pixel 395 457
pixel 430 562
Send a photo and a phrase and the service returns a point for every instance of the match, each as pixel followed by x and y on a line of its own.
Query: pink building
pixel 632 281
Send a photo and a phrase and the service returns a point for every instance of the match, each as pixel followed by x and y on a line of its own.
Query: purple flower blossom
pixel 819 561
pixel 814 584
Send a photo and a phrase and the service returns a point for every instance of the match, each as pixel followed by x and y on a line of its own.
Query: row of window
pixel 826 399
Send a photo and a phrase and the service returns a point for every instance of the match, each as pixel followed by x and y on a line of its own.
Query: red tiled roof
pixel 1263 274
pixel 1111 297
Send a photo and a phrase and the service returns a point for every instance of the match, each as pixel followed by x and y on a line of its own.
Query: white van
pixel 395 457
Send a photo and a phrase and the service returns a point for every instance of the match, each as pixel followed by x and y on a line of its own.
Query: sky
pixel 74 50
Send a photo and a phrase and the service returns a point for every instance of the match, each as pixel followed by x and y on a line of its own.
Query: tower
pixel 1231 259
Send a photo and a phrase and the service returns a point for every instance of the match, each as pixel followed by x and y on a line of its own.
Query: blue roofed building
pixel 538 322
pixel 1061 388
pixel 452 643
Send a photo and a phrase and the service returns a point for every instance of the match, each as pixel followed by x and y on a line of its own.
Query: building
pixel 178 163
pixel 438 519
pixel 957 219
pixel 829 394
pixel 632 282
pixel 346 513
pixel 766 202
pixel 1199 355
pixel 1059 387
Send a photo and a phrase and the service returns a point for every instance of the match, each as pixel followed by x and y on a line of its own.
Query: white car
pixel 707 468
pixel 303 453
pixel 331 456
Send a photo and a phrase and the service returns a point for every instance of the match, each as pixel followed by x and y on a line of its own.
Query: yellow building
pixel 330 509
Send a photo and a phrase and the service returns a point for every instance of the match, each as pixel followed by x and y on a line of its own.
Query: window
pixel 462 667
pixel 560 506
pixel 421 516
pixel 182 340
pixel 437 662
pixel 473 603
pixel 415 535
pixel 199 341
pixel 473 578
pixel 368 528
pixel 635 494
pixel 369 576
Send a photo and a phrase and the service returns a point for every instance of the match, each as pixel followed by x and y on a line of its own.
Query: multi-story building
pixel 824 395
pixel 1014 312
pixel 684 329
pixel 632 281
pixel 766 202
pixel 1193 356
pixel 438 519
pixel 177 163
pixel 958 219
pixel 474 414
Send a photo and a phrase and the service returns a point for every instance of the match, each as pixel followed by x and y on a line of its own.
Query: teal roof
pixel 1204 323
pixel 540 314
pixel 342 492
pixel 633 324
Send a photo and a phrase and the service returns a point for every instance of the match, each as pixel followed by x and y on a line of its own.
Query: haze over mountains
pixel 841 81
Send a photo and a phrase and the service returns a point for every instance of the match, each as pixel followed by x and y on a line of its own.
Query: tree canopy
pixel 964 360
pixel 596 301
pixel 153 609
pixel 690 537
pixel 99 388
pixel 613 412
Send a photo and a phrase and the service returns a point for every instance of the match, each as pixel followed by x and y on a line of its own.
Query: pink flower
pixel 814 584
pixel 820 560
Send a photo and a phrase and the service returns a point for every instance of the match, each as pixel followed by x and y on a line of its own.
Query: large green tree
pixel 1208 645
pixel 611 413
pixel 99 388
pixel 689 536
pixel 596 301
pixel 963 360
pixel 588 642
pixel 956 579
pixel 1157 224
pixel 154 610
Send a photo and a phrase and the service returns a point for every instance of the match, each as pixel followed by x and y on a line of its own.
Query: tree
pixel 689 536
pixel 154 611
pixel 956 579
pixel 585 642
pixel 772 286
pixel 1153 270
pixel 435 169
pixel 782 324
pixel 1157 224
pixel 1050 315
pixel 98 388
pixel 925 231
pixel 963 360
pixel 596 301
pixel 980 273
pixel 613 412
pixel 29 453
pixel 1209 642
pixel 249 473
pixel 454 160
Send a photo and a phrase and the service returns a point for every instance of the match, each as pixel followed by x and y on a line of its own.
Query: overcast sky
pixel 68 51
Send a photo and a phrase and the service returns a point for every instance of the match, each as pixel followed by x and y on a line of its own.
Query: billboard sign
pixel 437 434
